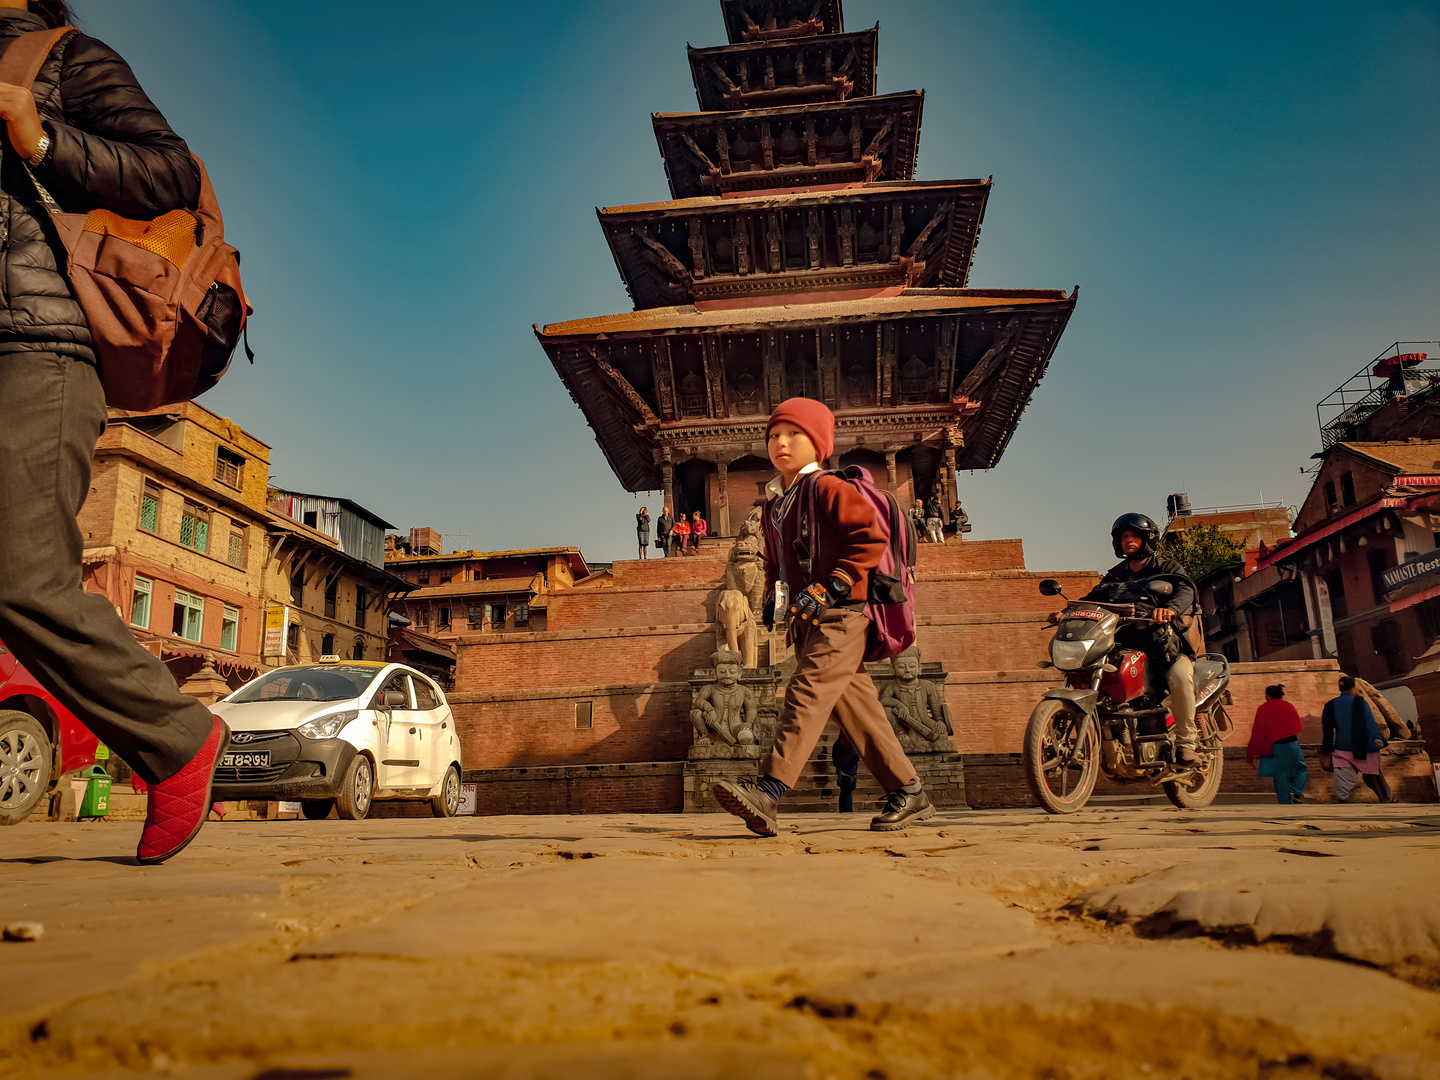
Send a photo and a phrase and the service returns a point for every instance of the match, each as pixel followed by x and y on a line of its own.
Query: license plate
pixel 250 759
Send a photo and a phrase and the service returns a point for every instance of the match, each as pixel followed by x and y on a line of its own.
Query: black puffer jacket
pixel 110 149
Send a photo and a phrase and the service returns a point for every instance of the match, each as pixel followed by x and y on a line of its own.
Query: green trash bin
pixel 96 803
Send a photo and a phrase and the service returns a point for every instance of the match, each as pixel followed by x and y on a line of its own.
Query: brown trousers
pixel 831 679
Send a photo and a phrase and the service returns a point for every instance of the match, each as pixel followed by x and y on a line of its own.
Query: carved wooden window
pixel 422 576
pixel 915 381
pixel 297 586
pixel 359 653
pixel 444 623
pixel 803 379
pixel 228 467
pixel 327 645
pixel 475 616
pixel 332 590
pixel 235 556
pixel 747 393
pixel 522 614
pixel 692 396
pixel 497 616
pixel 362 601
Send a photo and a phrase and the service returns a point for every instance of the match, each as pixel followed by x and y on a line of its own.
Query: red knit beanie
pixel 811 417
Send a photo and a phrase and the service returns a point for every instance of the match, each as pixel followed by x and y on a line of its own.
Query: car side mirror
pixel 1050 587
pixel 1160 588
pixel 394 699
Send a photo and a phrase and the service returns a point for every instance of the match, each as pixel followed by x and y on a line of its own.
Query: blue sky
pixel 1248 196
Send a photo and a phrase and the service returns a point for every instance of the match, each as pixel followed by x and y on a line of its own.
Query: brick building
pixel 1363 562
pixel 175 535
pixel 479 592
pixel 1243 632
pixel 327 591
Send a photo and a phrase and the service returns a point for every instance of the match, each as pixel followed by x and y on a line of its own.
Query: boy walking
pixel 821 605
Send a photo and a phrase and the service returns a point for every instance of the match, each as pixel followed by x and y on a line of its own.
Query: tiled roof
pixel 476 588
pixel 1414 457
pixel 761 201
pixel 910 302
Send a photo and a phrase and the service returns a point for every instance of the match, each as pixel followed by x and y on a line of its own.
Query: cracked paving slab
pixel 520 946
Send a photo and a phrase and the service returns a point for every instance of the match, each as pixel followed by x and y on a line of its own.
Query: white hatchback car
pixel 340 734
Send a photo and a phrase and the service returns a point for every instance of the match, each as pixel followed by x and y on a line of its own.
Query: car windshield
pixel 328 682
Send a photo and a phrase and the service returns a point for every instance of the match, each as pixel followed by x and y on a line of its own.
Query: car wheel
pixel 25 762
pixel 447 803
pixel 317 809
pixel 357 789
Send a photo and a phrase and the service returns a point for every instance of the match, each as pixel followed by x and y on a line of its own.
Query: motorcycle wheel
pixel 1055 727
pixel 1201 789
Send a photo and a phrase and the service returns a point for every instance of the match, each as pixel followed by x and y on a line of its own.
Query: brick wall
pixel 537 727
pixel 645 787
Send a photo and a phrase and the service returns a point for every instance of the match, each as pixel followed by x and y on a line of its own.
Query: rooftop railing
pixel 1402 370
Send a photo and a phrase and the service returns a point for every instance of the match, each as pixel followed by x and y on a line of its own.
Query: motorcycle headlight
pixel 1068 655
pixel 328 726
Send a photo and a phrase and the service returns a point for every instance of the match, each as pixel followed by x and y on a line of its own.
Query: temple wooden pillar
pixel 722 472
pixel 954 437
pixel 667 471
pixel 892 473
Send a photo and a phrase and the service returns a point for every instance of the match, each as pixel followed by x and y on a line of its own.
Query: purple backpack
pixel 890 603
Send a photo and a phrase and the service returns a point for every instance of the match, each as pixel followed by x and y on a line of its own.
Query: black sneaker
pixel 902 806
pixel 1297 796
pixel 746 799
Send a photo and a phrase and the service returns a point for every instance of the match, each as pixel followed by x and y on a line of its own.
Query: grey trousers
pixel 52 413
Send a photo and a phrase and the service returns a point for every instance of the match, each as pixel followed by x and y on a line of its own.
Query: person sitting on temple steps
pixel 825 622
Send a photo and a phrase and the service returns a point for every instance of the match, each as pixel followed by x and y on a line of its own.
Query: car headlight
pixel 328 726
pixel 1069 655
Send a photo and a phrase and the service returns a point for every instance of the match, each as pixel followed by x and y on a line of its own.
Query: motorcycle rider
pixel 1165 644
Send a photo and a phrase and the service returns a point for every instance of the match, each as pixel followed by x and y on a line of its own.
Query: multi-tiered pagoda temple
pixel 799 256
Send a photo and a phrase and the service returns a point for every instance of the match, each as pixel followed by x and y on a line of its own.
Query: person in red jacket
pixel 1275 742
pixel 681 532
pixel 821 601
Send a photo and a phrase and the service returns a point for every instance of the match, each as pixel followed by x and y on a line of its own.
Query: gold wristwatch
pixel 41 149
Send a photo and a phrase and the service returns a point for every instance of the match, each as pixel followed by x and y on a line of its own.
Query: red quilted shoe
pixel 178 806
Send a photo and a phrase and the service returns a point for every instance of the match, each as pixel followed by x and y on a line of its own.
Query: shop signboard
pixel 1424 568
pixel 277 626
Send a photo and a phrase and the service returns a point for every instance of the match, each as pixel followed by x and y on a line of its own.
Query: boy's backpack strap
pixel 27 55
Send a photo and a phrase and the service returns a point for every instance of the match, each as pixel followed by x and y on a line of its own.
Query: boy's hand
pixel 810 604
pixel 813 602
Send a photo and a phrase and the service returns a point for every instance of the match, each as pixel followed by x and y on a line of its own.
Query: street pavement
pixel 1240 941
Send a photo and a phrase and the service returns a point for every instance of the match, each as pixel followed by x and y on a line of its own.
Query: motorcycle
pixel 1113 712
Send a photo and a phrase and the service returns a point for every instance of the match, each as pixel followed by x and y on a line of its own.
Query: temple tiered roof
pixel 835 142
pixel 881 236
pixel 790 71
pixel 768 20
pixel 799 257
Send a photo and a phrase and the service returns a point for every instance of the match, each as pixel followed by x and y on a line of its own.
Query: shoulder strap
pixel 27 55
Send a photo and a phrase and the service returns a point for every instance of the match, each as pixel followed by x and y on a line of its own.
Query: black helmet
pixel 1136 523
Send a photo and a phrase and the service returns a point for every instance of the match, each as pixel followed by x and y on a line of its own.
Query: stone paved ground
pixel 1267 942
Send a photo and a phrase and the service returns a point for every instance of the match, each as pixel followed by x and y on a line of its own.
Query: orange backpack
pixel 162 297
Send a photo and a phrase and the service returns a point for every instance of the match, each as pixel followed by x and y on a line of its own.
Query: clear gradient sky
pixel 1247 194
